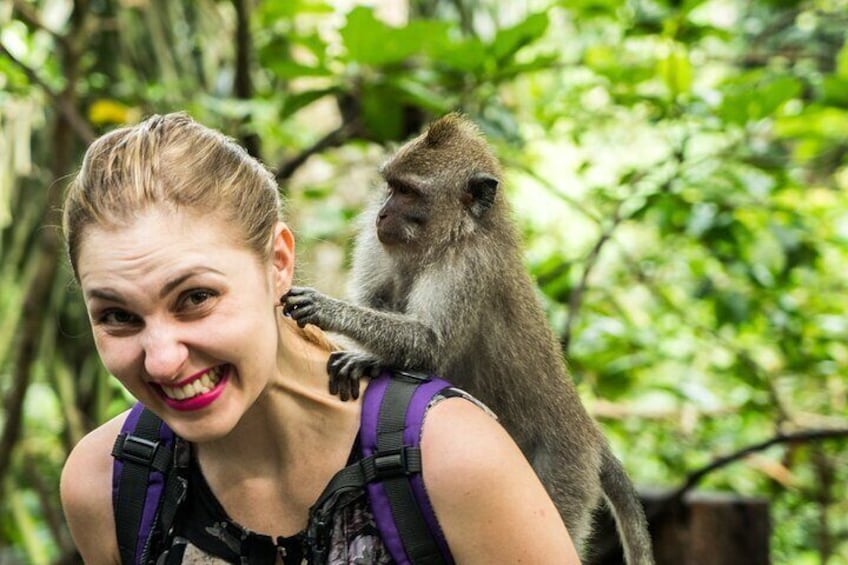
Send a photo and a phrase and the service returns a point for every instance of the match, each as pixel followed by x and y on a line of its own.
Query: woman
pixel 175 237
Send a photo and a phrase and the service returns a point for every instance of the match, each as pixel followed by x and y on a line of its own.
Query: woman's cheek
pixel 117 358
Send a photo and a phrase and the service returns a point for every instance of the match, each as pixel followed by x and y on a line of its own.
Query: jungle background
pixel 679 169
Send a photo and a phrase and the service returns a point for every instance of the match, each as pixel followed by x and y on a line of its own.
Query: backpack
pixel 147 489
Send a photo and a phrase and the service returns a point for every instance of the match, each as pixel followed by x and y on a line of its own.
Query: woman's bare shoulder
pixel 86 491
pixel 489 502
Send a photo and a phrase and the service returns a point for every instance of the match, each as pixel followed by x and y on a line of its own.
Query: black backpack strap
pixel 146 489
pixel 390 471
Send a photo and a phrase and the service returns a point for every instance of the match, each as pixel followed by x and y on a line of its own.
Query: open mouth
pixel 199 391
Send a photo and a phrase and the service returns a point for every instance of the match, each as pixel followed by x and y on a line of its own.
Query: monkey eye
pixel 401 188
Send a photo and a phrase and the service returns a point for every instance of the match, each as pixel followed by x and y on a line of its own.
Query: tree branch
pixel 47 499
pixel 797 437
pixel 79 125
pixel 242 85
pixel 28 15
pixel 575 300
pixel 335 138
pixel 30 332
pixel 47 252
pixel 674 500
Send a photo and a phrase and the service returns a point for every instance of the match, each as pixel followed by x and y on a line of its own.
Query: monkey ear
pixel 482 188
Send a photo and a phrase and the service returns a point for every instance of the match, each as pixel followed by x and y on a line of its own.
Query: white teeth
pixel 198 386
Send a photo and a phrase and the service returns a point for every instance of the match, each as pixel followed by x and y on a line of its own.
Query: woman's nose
pixel 164 351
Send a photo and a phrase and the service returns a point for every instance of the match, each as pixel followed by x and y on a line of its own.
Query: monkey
pixel 439 286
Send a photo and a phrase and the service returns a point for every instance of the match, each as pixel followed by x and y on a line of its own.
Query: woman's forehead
pixel 157 238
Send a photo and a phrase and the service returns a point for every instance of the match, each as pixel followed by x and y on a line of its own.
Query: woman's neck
pixel 295 419
pixel 274 465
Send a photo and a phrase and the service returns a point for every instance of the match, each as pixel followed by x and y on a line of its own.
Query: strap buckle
pixel 136 449
pixel 395 463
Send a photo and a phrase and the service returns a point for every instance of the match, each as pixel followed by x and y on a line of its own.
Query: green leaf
pixel 842 61
pixel 381 113
pixel 468 55
pixel 827 122
pixel 370 41
pixel 294 102
pixel 835 91
pixel 513 69
pixel 270 12
pixel 422 94
pixel 676 70
pixel 753 98
pixel 288 69
pixel 622 72
pixel 276 56
pixel 507 42
pixel 587 9
pixel 731 307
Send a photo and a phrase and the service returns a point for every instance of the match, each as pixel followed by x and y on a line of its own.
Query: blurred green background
pixel 679 169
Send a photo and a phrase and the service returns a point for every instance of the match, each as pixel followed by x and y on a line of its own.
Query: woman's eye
pixel 117 317
pixel 197 297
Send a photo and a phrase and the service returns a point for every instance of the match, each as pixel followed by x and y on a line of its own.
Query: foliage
pixel 680 169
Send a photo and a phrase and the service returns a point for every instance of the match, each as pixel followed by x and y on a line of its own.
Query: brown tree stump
pixel 701 529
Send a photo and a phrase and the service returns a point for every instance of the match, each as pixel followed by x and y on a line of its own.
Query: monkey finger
pixel 298 291
pixel 305 313
pixel 334 364
pixel 343 387
pixel 289 307
pixel 347 374
pixel 333 383
pixel 297 301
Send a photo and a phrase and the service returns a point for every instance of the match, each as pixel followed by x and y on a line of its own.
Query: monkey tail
pixel 623 500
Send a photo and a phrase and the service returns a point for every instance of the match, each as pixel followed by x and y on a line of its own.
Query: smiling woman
pixel 167 313
pixel 175 236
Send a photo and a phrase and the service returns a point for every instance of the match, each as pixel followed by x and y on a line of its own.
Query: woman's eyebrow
pixel 105 294
pixel 111 295
pixel 177 281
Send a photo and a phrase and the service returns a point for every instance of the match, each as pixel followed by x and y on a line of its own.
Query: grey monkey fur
pixel 440 286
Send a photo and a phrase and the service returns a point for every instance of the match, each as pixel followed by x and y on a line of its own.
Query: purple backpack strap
pixel 393 410
pixel 143 460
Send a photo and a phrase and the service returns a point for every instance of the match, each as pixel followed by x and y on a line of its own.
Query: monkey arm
pixel 399 340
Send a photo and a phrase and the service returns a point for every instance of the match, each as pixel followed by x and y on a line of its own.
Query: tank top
pixel 205 534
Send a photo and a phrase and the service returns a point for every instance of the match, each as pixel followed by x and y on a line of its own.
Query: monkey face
pixel 441 188
pixel 404 216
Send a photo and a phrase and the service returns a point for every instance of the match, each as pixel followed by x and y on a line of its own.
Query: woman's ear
pixel 282 257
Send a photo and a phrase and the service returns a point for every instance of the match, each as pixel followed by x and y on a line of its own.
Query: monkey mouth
pixel 391 237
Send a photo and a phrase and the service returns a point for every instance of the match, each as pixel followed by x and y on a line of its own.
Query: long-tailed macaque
pixel 440 286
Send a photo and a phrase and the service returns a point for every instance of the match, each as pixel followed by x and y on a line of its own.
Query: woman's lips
pixel 198 391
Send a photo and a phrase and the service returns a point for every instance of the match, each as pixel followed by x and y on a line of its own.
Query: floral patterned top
pixel 206 535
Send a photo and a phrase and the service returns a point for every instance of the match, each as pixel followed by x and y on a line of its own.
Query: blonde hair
pixel 174 161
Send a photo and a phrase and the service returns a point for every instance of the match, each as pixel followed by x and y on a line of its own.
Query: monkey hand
pixel 308 306
pixel 346 368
